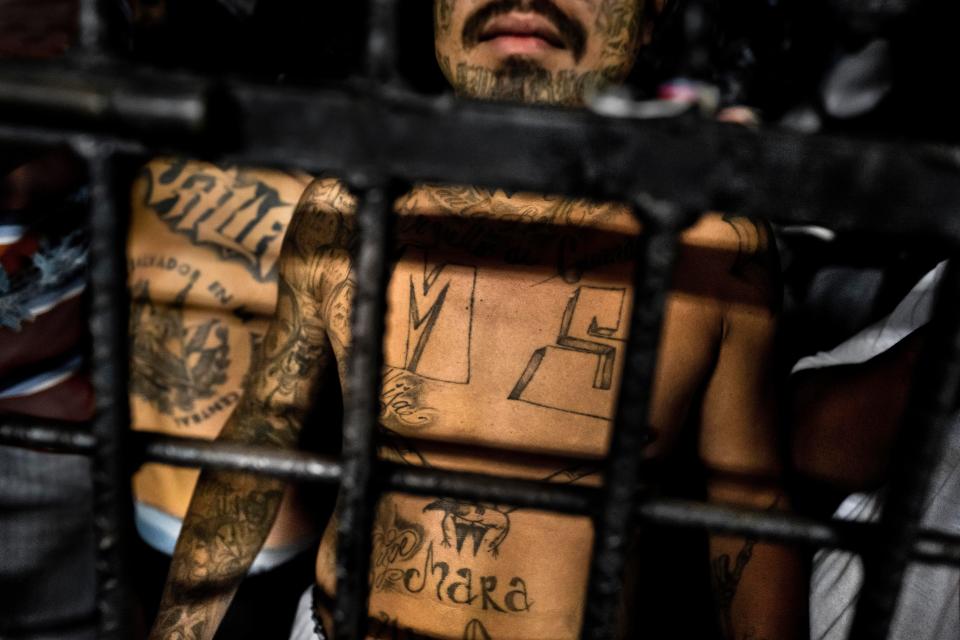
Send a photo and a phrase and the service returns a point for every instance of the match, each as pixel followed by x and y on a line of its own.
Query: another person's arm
pixel 231 513
pixel 760 589
pixel 846 417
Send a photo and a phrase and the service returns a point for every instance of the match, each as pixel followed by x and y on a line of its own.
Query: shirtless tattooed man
pixel 503 354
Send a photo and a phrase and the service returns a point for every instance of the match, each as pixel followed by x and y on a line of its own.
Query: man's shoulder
pixel 324 219
pixel 734 256
pixel 327 195
pixel 729 233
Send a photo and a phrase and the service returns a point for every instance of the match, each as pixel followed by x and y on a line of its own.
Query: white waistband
pixel 160 530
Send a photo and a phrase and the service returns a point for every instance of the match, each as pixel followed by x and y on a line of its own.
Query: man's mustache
pixel 571 31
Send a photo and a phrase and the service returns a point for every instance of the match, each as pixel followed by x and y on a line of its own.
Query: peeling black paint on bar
pixel 844 183
pixel 614 524
pixel 361 410
pixel 108 321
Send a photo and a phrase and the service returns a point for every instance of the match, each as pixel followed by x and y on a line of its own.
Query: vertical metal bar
pixel 382 41
pixel 630 432
pixel 361 409
pixel 92 26
pixel 109 310
pixel 934 400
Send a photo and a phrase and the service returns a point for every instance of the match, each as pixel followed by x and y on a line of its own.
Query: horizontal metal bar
pixel 114 97
pixel 486 488
pixel 292 465
pixel 51 436
pixel 932 546
pixel 45 137
pixel 844 184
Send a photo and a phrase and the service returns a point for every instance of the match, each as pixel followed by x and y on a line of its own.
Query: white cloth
pixel 304 627
pixel 929 605
pixel 912 313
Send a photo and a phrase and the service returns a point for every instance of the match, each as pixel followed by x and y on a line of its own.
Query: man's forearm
pixel 760 589
pixel 229 519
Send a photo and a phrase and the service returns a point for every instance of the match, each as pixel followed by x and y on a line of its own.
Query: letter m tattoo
pixel 434 303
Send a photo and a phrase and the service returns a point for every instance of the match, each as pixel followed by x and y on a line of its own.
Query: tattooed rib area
pixel 404 562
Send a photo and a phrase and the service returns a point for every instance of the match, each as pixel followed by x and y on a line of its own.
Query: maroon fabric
pixel 36 28
pixel 59 331
pixel 71 400
pixel 34 193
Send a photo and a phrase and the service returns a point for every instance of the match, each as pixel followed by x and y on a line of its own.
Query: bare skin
pixel 847 418
pixel 504 349
pixel 203 247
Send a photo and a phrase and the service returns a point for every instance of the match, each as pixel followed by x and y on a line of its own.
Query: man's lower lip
pixel 519 44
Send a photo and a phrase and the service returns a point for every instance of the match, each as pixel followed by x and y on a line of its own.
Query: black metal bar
pixel 931 547
pixel 382 41
pixel 108 331
pixel 621 480
pixel 45 138
pixel 934 401
pixel 91 96
pixel 841 183
pixel 361 409
pixel 481 487
pixel 291 465
pixel 92 31
pixel 51 436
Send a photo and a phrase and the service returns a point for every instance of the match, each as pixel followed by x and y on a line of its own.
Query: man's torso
pixel 506 335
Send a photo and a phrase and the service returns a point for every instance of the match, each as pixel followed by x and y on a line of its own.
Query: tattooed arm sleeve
pixel 759 589
pixel 232 513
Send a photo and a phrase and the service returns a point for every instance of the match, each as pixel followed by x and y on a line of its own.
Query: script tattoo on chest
pixel 241 217
pixel 405 559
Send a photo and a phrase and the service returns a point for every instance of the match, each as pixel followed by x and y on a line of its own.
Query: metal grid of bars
pixel 690 166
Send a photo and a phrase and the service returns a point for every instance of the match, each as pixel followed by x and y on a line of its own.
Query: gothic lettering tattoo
pixel 222 208
pixel 561 377
pixel 453 585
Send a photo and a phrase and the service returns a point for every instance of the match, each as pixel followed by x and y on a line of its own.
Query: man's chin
pixel 521 79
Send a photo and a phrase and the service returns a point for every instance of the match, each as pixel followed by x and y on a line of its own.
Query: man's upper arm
pixel 738 434
pixel 296 355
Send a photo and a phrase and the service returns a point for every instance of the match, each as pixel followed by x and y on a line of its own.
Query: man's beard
pixel 520 79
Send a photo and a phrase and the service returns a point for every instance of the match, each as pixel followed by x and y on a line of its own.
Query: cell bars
pixel 379 137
